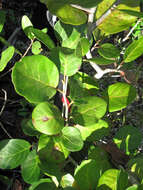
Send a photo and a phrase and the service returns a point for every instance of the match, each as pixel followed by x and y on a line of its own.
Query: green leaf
pixel 135 165
pixel 111 178
pixel 2 19
pixel 100 130
pixel 120 96
pixel 94 132
pixel 126 139
pixel 109 51
pixel 135 187
pixel 65 12
pixel 117 20
pixel 36 47
pixel 35 78
pixel 43 37
pixel 82 85
pixel 71 139
pixel 27 26
pixel 88 173
pixel 66 60
pixel 83 47
pixel 43 184
pixel 133 13
pixel 13 152
pixel 100 61
pixel 67 181
pixel 134 50
pixel 88 110
pixel 30 169
pixel 28 128
pixel 6 57
pixel 47 119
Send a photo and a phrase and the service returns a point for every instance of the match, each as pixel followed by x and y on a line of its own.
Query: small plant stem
pixel 104 16
pixel 5 130
pixel 5 100
pixel 131 31
pixel 73 161
pixel 30 45
pixel 65 104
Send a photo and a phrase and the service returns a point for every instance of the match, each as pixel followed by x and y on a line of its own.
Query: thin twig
pixel 5 100
pixel 131 31
pixel 30 45
pixel 5 131
pixel 65 104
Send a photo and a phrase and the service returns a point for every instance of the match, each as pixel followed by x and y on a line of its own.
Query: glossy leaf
pixel 50 151
pixel 111 178
pixel 31 82
pixel 66 60
pixel 133 13
pixel 43 37
pixel 36 48
pixel 13 152
pixel 68 35
pixel 94 132
pixel 2 19
pixel 88 173
pixel 88 110
pixel 83 47
pixel 30 169
pixel 101 61
pixel 135 187
pixel 126 138
pixel 71 139
pixel 134 50
pixel 6 56
pixel 120 96
pixel 43 184
pixel 27 26
pixel 65 12
pixel 135 165
pixel 28 128
pixel 67 180
pixel 117 20
pixel 109 51
pixel 47 119
pixel 82 85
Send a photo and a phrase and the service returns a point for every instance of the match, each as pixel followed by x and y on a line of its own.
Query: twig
pixel 104 16
pixel 87 10
pixel 5 131
pixel 131 31
pixel 65 104
pixel 5 100
pixel 30 45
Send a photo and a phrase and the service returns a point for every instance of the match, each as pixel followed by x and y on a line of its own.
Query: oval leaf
pixel 88 110
pixel 88 173
pixel 120 96
pixel 47 119
pixel 6 57
pixel 13 152
pixel 65 12
pixel 71 139
pixel 111 178
pixel 109 51
pixel 30 169
pixel 43 184
pixel 35 78
pixel 134 50
pixel 126 138
pixel 101 61
pixel 36 48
